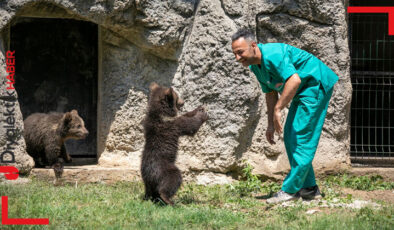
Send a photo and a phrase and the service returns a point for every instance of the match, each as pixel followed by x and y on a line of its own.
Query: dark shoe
pixel 283 196
pixel 311 193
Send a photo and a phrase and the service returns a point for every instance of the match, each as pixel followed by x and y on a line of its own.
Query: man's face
pixel 244 51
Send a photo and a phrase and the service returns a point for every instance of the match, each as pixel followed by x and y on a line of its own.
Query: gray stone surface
pixel 186 44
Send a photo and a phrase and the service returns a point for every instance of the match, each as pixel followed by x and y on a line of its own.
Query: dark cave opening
pixel 57 70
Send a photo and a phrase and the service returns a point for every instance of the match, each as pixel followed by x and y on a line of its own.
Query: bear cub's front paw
pixel 202 114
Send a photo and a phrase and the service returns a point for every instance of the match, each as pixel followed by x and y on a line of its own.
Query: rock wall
pixel 12 144
pixel 186 44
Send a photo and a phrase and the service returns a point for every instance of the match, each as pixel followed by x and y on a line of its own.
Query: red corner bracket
pixel 368 9
pixel 18 221
pixel 11 173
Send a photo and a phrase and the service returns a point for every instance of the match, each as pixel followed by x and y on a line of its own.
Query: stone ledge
pixel 88 174
pixel 108 175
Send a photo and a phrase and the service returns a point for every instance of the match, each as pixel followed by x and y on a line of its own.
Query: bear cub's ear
pixel 67 118
pixel 153 86
pixel 169 96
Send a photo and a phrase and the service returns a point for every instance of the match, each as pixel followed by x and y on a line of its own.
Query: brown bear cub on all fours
pixel 45 135
pixel 162 129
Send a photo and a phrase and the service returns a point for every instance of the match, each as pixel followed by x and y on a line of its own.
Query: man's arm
pixel 289 91
pixel 271 99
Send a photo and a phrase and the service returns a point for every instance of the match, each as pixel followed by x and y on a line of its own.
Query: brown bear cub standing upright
pixel 45 135
pixel 162 129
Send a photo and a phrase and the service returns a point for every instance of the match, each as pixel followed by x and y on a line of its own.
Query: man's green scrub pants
pixel 308 109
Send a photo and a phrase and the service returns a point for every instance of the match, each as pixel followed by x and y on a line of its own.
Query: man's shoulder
pixel 273 51
pixel 272 45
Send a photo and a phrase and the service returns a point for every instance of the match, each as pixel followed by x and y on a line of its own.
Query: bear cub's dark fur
pixel 45 135
pixel 162 129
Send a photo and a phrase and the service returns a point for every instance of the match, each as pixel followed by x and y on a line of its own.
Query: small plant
pixel 270 187
pixel 251 183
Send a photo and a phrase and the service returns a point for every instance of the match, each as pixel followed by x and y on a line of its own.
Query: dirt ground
pixel 386 173
pixel 377 195
pixel 386 195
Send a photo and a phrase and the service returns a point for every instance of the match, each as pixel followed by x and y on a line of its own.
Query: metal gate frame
pixel 372 76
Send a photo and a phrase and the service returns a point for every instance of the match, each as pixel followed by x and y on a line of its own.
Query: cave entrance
pixel 57 70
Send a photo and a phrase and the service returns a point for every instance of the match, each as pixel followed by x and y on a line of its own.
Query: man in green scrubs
pixel 308 83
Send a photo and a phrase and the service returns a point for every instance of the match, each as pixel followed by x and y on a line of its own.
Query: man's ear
pixel 253 44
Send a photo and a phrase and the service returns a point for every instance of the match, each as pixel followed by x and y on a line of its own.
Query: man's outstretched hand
pixel 277 121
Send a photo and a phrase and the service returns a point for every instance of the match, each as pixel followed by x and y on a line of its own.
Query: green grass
pixel 120 206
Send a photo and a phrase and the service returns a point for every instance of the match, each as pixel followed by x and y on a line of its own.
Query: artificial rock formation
pixel 186 44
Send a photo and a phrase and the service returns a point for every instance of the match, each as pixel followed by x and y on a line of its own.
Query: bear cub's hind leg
pixel 170 184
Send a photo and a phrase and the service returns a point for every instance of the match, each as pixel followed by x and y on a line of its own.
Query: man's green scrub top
pixel 280 61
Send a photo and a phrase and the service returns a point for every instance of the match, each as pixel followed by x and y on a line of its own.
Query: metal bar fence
pixel 372 76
